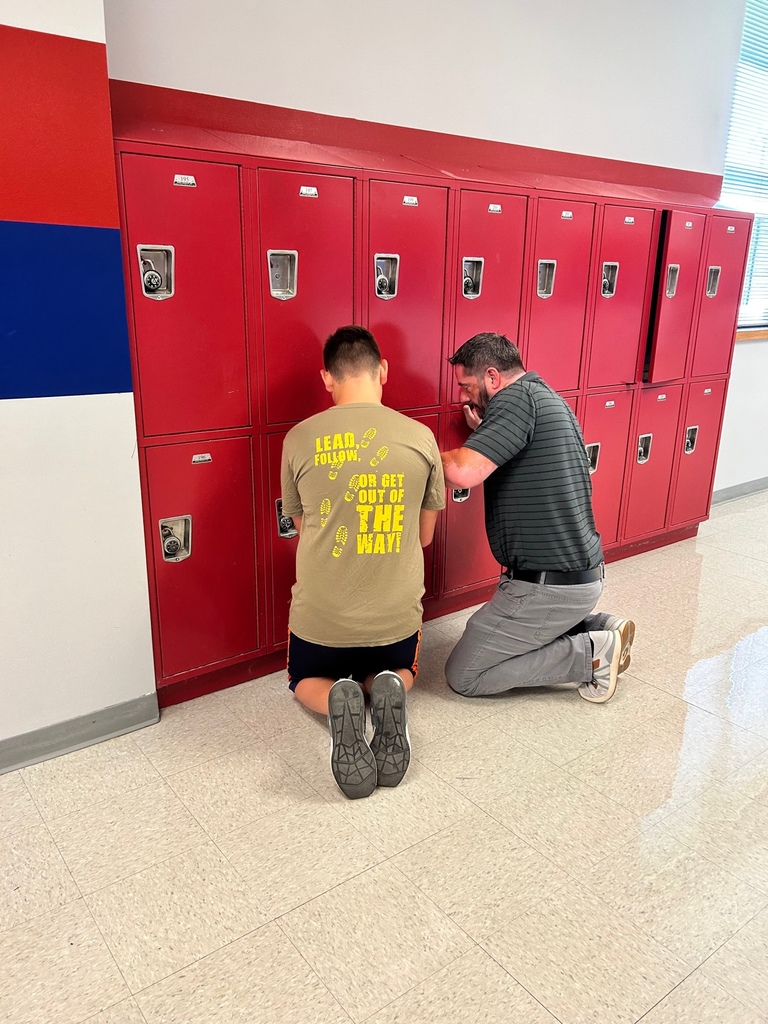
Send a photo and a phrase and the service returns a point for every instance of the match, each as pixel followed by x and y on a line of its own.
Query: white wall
pixel 646 81
pixel 744 442
pixel 76 19
pixel 74 610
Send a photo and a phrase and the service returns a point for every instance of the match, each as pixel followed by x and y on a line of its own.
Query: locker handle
pixel 472 276
pixel 283 267
pixel 285 525
pixel 673 273
pixel 610 276
pixel 545 283
pixel 459 494
pixel 644 447
pixel 176 538
pixel 713 280
pixel 156 267
pixel 593 454
pixel 691 437
pixel 386 271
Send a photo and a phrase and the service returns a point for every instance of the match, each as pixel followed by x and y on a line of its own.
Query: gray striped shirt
pixel 538 503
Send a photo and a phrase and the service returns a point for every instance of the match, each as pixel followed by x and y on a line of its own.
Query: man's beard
pixel 482 401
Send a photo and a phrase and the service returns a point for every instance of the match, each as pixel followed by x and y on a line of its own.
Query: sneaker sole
pixel 627 630
pixel 352 762
pixel 391 744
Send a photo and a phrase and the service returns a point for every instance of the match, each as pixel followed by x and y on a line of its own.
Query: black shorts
pixel 306 659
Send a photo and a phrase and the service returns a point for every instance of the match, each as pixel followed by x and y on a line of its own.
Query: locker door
pixel 654 450
pixel 306 259
pixel 606 427
pixel 186 274
pixel 489 275
pixel 433 422
pixel 468 559
pixel 405 273
pixel 697 451
pixel 572 400
pixel 721 285
pixel 204 564
pixel 675 294
pixel 283 544
pixel 623 271
pixel 561 269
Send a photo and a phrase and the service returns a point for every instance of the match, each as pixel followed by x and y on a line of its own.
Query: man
pixel 363 484
pixel 527 449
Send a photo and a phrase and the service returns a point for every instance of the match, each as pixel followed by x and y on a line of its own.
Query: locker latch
pixel 285 527
pixel 691 436
pixel 156 269
pixel 608 285
pixel 459 494
pixel 385 273
pixel 644 447
pixel 593 454
pixel 673 273
pixel 176 538
pixel 472 276
pixel 283 265
pixel 713 280
pixel 545 281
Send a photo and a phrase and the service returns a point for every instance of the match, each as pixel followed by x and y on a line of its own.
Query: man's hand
pixel 472 416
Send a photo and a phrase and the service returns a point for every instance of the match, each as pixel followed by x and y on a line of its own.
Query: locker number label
pixel 204 457
pixel 185 179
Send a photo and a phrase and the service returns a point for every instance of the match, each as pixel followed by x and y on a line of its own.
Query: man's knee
pixel 460 680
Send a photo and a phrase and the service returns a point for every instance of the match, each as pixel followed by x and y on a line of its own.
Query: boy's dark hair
pixel 485 350
pixel 351 351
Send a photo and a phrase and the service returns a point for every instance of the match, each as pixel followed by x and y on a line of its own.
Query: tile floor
pixel 545 859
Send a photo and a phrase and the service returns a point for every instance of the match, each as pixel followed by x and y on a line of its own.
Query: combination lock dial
pixel 152 281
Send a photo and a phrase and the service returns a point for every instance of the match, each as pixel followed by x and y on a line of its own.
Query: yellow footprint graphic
pixel 354 485
pixel 325 510
pixel 368 436
pixel 334 470
pixel 380 455
pixel 342 534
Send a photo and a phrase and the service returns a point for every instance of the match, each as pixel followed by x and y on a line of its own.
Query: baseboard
pixel 64 737
pixel 740 490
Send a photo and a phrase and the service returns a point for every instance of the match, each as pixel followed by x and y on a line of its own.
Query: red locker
pixel 697 451
pixel 284 541
pixel 186 271
pixel 675 295
pixel 489 275
pixel 406 272
pixel 201 506
pixel 606 425
pixel 623 270
pixel 572 400
pixel 306 259
pixel 559 291
pixel 468 559
pixel 721 286
pixel 654 451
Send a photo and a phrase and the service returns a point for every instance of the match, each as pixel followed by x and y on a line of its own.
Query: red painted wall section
pixel 57 163
pixel 138 110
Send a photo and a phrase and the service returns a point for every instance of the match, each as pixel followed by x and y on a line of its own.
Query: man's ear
pixel 327 380
pixel 383 372
pixel 493 378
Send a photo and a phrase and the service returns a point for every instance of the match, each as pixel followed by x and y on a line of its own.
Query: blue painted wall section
pixel 63 327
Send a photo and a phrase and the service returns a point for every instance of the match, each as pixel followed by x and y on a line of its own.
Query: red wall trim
pixel 57 165
pixel 136 107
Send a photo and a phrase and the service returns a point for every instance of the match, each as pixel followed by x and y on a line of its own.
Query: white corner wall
pixel 649 82
pixel 743 454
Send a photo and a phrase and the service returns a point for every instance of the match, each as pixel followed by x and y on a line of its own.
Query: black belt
pixel 557 579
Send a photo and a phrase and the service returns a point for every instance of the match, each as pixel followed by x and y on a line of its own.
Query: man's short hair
pixel 485 350
pixel 350 352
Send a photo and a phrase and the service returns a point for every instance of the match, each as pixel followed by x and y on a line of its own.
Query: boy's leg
pixel 313 692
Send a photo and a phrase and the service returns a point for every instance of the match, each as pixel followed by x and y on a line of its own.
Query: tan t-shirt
pixel 359 474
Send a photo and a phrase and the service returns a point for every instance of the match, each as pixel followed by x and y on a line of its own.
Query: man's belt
pixel 558 579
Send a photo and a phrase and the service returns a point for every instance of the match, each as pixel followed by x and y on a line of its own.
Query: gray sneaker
pixel 352 761
pixel 627 629
pixel 605 675
pixel 391 744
